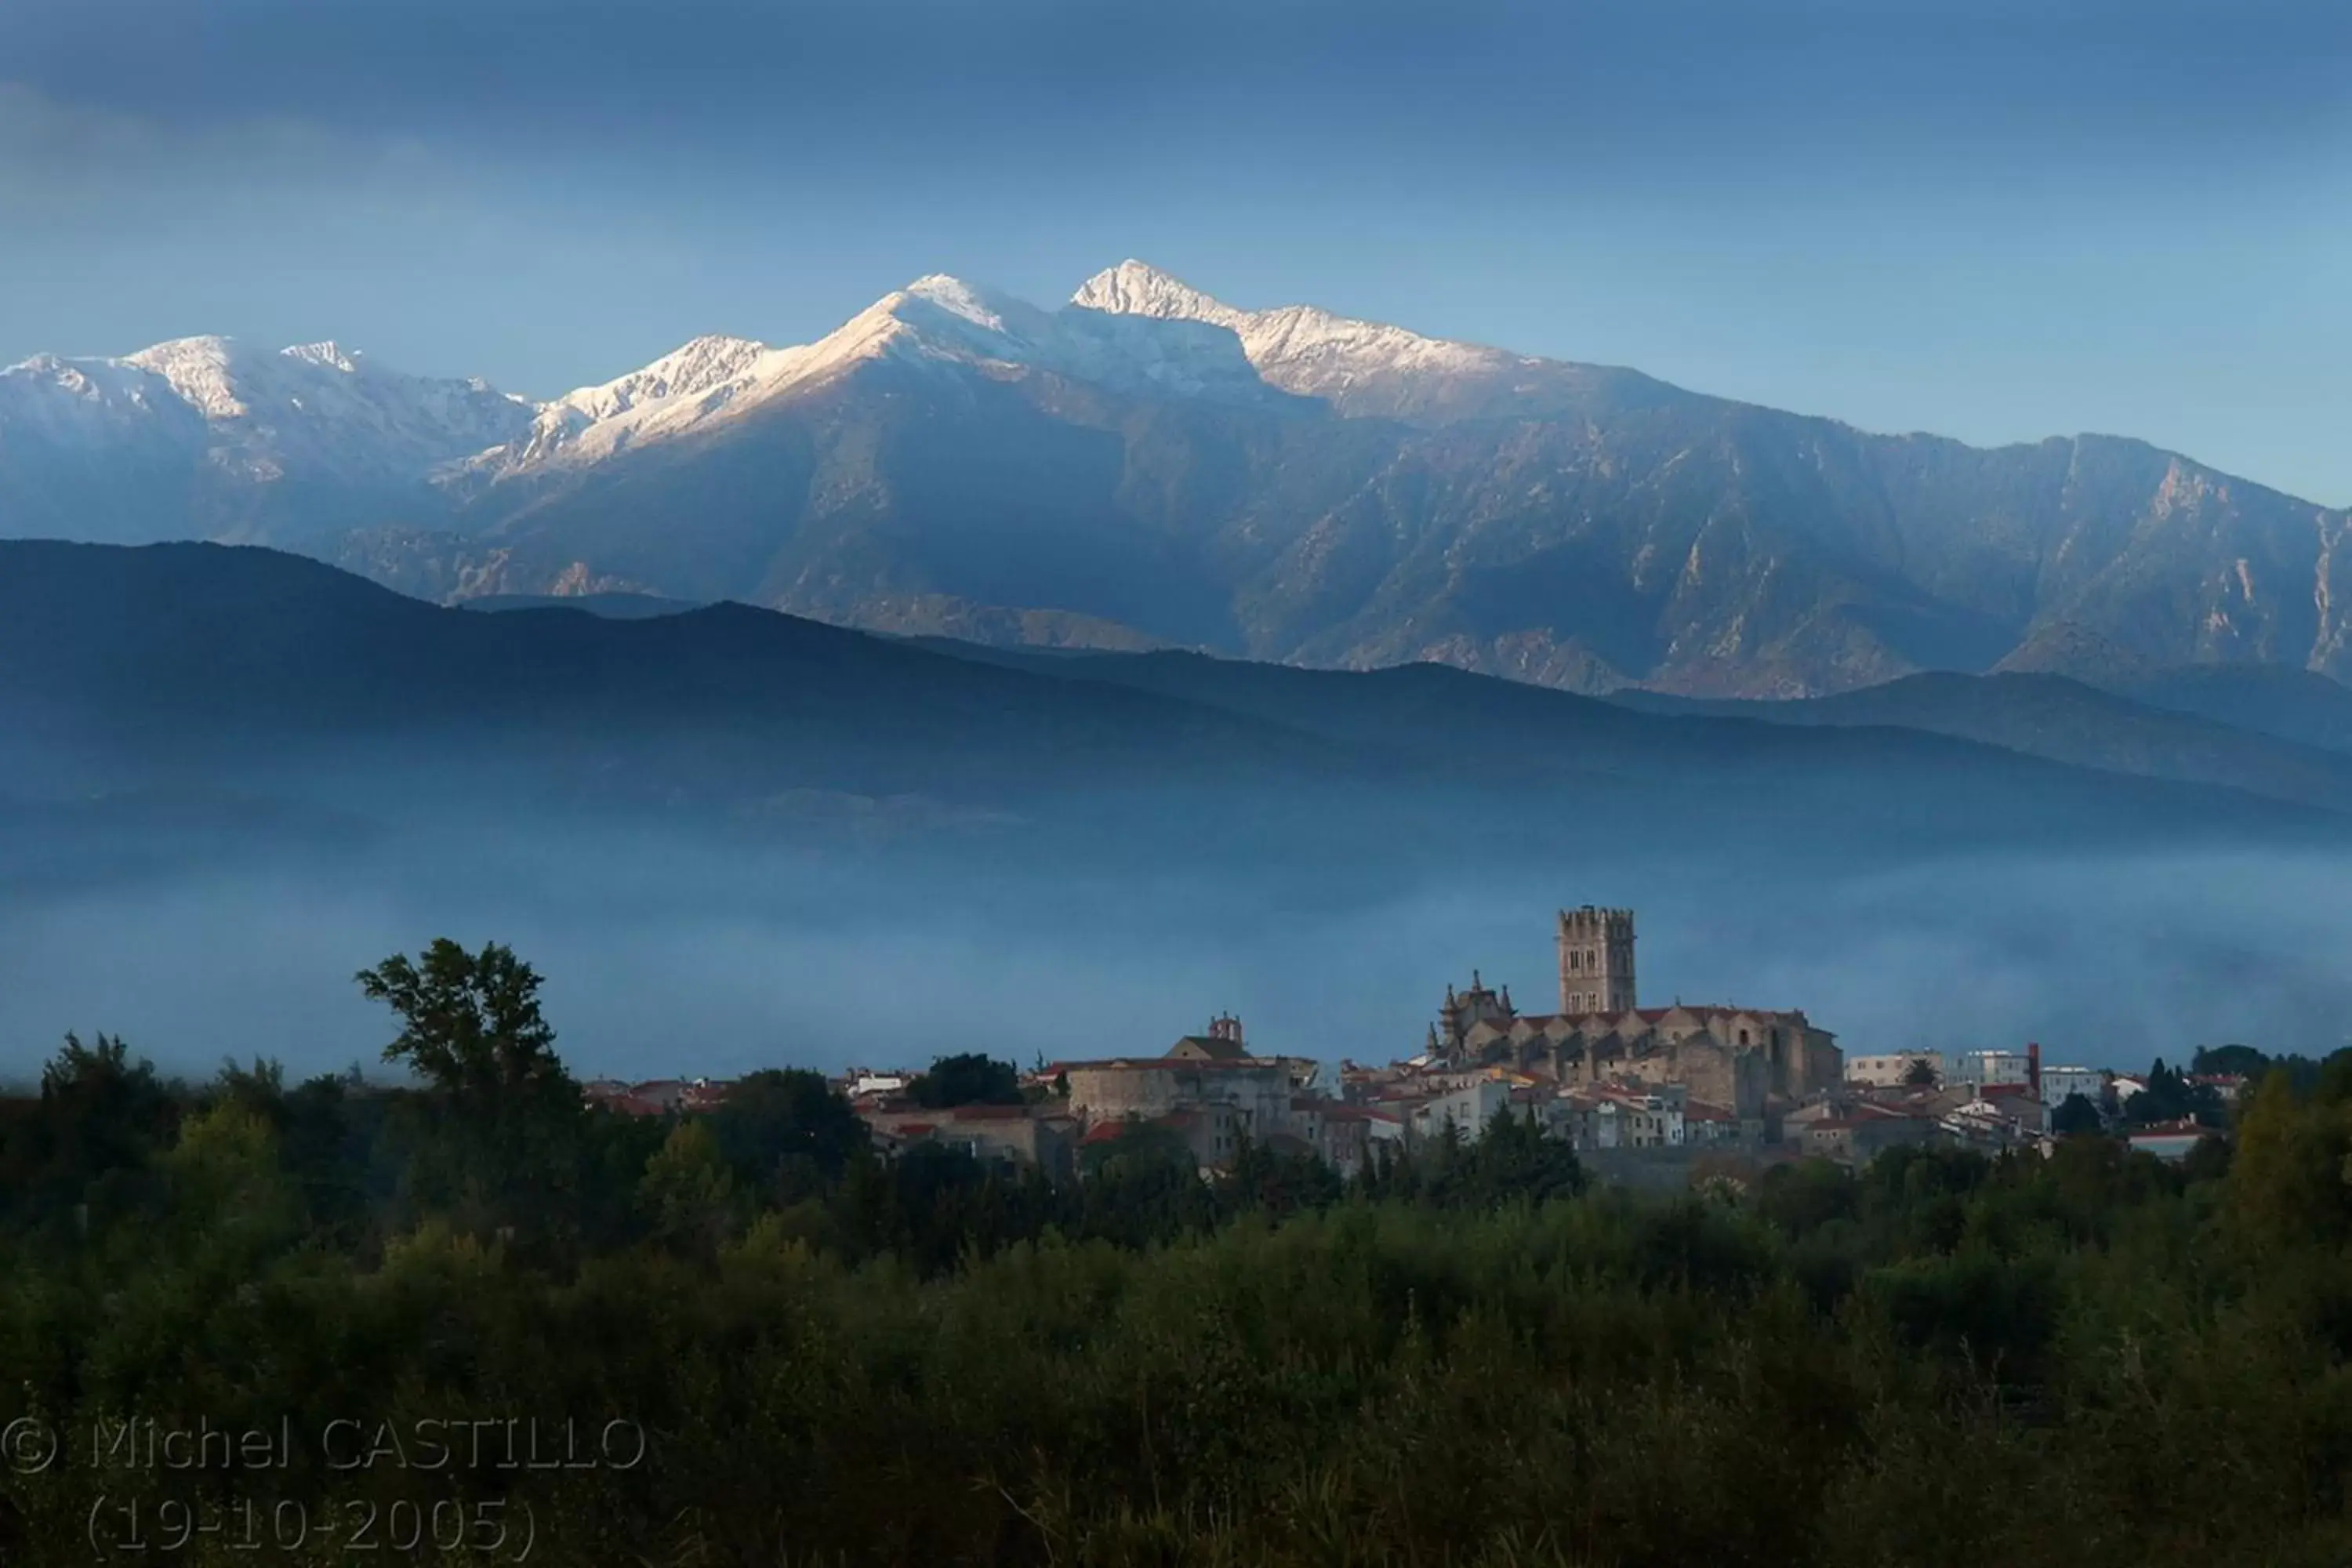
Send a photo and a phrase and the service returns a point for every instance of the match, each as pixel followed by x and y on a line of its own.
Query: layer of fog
pixel 668 961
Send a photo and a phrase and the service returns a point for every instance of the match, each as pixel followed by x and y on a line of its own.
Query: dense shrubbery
pixel 2087 1360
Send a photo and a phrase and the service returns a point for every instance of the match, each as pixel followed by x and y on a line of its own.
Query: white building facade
pixel 1989 1069
pixel 2057 1083
pixel 1892 1071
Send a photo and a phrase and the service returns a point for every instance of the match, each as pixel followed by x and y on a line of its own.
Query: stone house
pixel 1858 1134
pixel 1467 1107
pixel 1040 1135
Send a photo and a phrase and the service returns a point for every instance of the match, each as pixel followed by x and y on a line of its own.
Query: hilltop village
pixel 1647 1096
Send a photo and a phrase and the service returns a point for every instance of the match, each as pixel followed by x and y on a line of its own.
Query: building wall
pixel 1983 1067
pixel 1860 1141
pixel 1709 1069
pixel 1214 1133
pixel 1469 1108
pixel 1041 1140
pixel 1596 961
pixel 1890 1070
pixel 2057 1083
pixel 1150 1088
pixel 1823 1063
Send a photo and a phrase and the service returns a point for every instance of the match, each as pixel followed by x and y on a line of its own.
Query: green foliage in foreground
pixel 2090 1359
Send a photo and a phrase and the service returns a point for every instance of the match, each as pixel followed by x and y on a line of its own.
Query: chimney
pixel 2033 1067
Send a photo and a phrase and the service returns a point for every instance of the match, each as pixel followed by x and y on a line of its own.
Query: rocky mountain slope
pixel 1150 466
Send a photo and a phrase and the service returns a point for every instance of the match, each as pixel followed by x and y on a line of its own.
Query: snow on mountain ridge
pixel 696 366
pixel 329 413
pixel 86 406
pixel 936 321
pixel 1138 288
pixel 980 307
pixel 315 409
pixel 1298 348
pixel 328 355
pixel 708 378
pixel 197 369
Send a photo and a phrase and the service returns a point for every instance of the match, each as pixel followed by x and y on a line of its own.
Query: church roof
pixel 1167 1064
pixel 1212 1047
pixel 1651 1015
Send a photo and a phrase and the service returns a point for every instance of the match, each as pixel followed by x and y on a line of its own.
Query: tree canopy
pixel 470 1022
pixel 967 1079
pixel 1464 1353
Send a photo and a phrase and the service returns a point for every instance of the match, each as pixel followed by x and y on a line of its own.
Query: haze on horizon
pixel 665 959
pixel 1984 218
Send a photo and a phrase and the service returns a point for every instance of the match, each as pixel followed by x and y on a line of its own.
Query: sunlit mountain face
pixel 1149 467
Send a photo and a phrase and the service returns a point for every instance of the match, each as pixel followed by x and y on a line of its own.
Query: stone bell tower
pixel 1596 961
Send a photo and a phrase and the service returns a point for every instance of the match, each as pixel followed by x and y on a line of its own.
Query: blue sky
pixel 1994 219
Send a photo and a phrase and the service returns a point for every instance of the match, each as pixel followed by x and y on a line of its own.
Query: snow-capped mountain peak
pixel 1360 366
pixel 1138 288
pixel 980 307
pixel 937 321
pixel 315 411
pixel 198 372
pixel 329 415
pixel 694 367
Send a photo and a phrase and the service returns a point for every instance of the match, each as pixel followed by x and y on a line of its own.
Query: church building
pixel 1737 1058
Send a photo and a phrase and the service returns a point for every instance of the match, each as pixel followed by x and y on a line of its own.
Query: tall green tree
pixel 689 1191
pixel 787 1132
pixel 2287 1181
pixel 102 1119
pixel 2074 1114
pixel 470 1021
pixel 2242 1061
pixel 500 1139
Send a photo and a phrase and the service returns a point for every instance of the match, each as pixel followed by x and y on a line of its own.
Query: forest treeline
pixel 832 1357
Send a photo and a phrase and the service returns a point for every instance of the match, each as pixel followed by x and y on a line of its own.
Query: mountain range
pixel 2065 721
pixel 224 768
pixel 199 670
pixel 1146 466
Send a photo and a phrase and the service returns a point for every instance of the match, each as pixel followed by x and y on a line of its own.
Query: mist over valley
pixel 729 838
